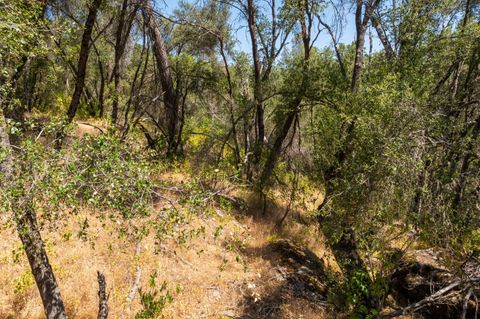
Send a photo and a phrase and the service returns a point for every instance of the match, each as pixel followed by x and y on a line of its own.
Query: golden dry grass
pixel 212 275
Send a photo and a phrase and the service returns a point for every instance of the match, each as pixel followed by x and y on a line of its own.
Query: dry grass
pixel 212 275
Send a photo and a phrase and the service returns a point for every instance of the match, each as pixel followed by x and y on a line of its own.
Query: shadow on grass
pixel 294 287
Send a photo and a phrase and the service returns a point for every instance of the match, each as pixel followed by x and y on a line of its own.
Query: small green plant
pixel 17 253
pixel 154 300
pixel 223 265
pixel 218 232
pixel 23 282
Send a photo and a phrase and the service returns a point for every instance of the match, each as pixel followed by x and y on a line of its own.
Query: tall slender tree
pixel 165 75
pixel 81 69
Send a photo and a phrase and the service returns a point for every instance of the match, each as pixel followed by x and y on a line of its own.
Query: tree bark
pixel 361 27
pixel 83 59
pixel 123 30
pixel 461 183
pixel 169 96
pixel 389 54
pixel 102 296
pixel 293 108
pixel 81 67
pixel 258 87
pixel 29 234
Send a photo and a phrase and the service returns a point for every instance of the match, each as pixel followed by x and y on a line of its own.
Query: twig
pixel 94 126
pixel 136 283
pixel 465 303
pixel 164 249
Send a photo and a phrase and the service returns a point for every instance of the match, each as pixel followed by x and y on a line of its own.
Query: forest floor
pixel 225 264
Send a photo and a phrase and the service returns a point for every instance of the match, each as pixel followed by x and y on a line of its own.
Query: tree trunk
pixel 29 234
pixel 83 59
pixel 15 113
pixel 6 169
pixel 335 46
pixel 102 296
pixel 118 55
pixel 389 54
pixel 464 168
pixel 416 205
pixel 81 67
pixel 169 96
pixel 123 30
pixel 361 27
pixel 293 108
pixel 277 145
pixel 101 93
pixel 258 87
pixel 27 228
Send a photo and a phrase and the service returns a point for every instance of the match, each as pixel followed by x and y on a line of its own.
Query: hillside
pixel 216 262
pixel 240 159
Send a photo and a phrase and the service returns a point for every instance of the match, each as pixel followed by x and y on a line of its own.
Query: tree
pixel 363 13
pixel 304 13
pixel 81 69
pixel 170 99
pixel 124 26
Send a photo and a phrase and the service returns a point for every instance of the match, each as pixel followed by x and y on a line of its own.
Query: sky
pixel 347 36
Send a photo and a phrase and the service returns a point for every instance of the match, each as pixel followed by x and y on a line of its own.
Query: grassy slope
pixel 228 270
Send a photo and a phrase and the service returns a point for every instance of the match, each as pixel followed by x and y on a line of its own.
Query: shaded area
pixel 419 282
pixel 293 288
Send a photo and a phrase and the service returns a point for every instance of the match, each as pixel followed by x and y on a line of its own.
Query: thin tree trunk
pixel 464 168
pixel 293 108
pixel 277 145
pixel 29 234
pixel 169 96
pixel 335 46
pixel 416 205
pixel 101 91
pixel 81 67
pixel 6 165
pixel 361 27
pixel 14 113
pixel 118 56
pixel 134 87
pixel 258 87
pixel 231 100
pixel 389 54
pixel 123 30
pixel 102 296
pixel 83 59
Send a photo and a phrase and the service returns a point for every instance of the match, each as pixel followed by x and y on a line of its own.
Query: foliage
pixel 153 300
pixel 21 29
pixel 97 171
pixel 396 153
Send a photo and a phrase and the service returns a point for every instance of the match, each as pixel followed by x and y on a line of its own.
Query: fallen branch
pixel 413 307
pixel 465 303
pixel 135 285
pixel 102 296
